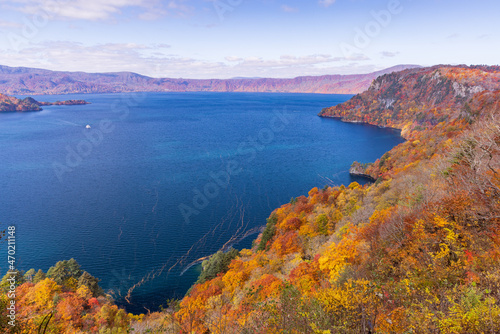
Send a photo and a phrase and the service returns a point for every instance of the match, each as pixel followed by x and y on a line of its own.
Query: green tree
pixel 217 263
pixel 90 282
pixel 39 276
pixel 17 274
pixel 268 233
pixel 322 224
pixel 28 276
pixel 63 270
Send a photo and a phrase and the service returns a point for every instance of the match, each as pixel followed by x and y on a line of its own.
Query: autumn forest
pixel 415 251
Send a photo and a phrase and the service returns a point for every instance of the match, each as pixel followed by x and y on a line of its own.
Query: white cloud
pixel 354 57
pixel 152 60
pixel 8 24
pixel 233 59
pixel 152 15
pixel 326 3
pixel 389 54
pixel 289 9
pixel 97 9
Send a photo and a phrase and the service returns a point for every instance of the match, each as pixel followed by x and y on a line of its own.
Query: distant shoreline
pixel 34 81
pixel 29 104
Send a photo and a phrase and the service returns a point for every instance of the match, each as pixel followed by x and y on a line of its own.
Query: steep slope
pixel 417 100
pixel 418 251
pixel 21 80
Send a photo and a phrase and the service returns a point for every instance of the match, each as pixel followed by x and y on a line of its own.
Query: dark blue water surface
pixel 162 179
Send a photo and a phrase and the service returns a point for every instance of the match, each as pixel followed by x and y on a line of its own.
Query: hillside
pixel 417 251
pixel 28 81
pixel 418 100
pixel 11 104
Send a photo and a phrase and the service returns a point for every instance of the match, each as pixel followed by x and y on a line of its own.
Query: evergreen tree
pixel 64 270
pixel 217 263
pixel 29 275
pixel 17 274
pixel 39 276
pixel 90 282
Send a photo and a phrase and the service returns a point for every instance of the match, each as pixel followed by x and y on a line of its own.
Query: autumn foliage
pixel 62 303
pixel 417 251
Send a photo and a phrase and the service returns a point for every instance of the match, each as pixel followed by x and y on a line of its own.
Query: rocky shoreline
pixel 359 170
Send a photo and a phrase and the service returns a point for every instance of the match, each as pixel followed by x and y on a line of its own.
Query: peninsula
pixel 13 104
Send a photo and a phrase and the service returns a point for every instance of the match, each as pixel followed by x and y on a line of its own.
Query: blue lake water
pixel 162 179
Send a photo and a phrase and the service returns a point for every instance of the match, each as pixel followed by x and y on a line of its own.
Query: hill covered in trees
pixel 10 103
pixel 13 104
pixel 417 251
pixel 27 81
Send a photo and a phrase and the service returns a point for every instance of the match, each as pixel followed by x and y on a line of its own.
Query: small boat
pixel 87 127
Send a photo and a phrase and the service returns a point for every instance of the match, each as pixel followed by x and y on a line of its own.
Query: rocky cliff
pixel 418 98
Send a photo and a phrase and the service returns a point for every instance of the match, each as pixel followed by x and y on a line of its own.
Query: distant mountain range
pixel 32 81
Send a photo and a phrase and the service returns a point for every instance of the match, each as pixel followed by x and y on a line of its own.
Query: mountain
pixel 416 251
pixel 28 81
pixel 420 97
pixel 420 100
pixel 10 103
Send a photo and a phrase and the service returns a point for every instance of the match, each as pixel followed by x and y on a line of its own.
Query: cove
pixel 168 179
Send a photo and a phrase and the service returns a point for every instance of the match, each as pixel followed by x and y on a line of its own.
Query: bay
pixel 160 180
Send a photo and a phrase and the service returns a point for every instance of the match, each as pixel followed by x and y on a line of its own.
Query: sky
pixel 203 39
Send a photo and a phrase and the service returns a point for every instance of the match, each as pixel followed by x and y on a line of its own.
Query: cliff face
pixel 37 81
pixel 422 103
pixel 420 98
pixel 358 169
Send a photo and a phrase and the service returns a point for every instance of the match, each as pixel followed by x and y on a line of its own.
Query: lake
pixel 159 180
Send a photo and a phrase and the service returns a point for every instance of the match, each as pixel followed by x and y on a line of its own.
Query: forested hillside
pixel 10 103
pixel 417 251
pixel 13 104
pixel 28 81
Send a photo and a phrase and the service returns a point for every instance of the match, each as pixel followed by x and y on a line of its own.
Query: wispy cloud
pixel 354 57
pixel 95 10
pixel 289 9
pixel 292 61
pixel 234 59
pixel 327 3
pixel 8 24
pixel 154 60
pixel 389 54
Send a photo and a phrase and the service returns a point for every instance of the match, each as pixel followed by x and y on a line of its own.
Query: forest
pixel 416 251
